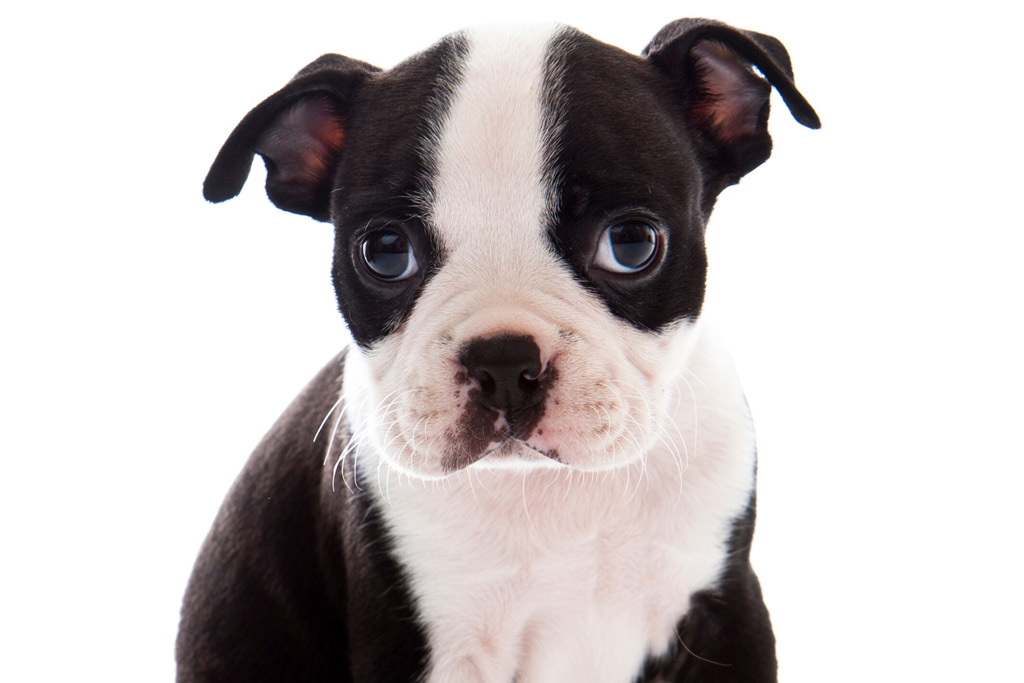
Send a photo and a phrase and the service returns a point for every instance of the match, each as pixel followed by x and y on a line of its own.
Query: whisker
pixel 526 508
pixel 696 416
pixel 356 435
pixel 334 430
pixel 570 477
pixel 669 420
pixel 696 377
pixel 355 466
pixel 349 447
pixel 326 417
pixel 472 489
pixel 694 654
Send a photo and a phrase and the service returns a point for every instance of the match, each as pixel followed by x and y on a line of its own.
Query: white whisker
pixel 334 430
pixel 472 489
pixel 341 458
pixel 526 508
pixel 326 418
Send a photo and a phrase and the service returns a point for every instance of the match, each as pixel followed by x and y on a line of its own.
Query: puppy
pixel 534 464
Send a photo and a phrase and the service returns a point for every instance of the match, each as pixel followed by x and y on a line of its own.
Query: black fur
pixel 295 581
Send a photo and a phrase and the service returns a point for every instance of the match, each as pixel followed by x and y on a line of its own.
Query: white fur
pixel 524 569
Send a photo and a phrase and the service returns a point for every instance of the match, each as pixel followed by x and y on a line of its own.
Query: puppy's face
pixel 525 292
pixel 519 220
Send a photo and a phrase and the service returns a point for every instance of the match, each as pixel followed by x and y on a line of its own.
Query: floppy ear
pixel 300 133
pixel 724 97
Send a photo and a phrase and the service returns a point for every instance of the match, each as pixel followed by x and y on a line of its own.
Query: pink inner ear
pixel 303 142
pixel 731 95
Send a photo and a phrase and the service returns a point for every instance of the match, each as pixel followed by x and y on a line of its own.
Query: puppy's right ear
pixel 300 132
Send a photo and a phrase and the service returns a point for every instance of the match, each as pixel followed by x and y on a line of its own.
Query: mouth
pixel 514 450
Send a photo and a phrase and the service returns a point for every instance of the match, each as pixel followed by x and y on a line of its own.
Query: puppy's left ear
pixel 300 132
pixel 724 98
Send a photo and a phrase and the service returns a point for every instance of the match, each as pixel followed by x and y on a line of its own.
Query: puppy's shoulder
pixel 258 587
pixel 287 465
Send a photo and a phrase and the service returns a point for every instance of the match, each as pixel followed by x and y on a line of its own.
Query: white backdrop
pixel 867 278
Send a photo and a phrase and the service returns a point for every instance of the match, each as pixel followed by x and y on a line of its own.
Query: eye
pixel 627 247
pixel 389 255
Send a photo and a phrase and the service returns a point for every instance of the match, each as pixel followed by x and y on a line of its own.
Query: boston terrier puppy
pixel 534 463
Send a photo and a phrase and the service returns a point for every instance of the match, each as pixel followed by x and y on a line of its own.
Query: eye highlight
pixel 627 247
pixel 389 255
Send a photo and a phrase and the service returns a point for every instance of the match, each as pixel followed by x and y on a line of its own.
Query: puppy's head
pixel 519 220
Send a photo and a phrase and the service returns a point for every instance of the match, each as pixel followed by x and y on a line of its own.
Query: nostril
pixel 532 373
pixel 530 379
pixel 487 384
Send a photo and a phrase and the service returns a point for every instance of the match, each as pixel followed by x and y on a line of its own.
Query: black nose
pixel 508 368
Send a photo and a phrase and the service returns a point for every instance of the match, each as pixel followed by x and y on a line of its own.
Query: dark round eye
pixel 389 255
pixel 627 247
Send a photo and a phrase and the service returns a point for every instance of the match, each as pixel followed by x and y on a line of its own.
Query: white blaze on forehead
pixel 490 153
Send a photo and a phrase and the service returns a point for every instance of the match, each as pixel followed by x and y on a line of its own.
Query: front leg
pixel 726 635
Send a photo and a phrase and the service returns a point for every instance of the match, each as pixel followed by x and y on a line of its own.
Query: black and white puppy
pixel 535 464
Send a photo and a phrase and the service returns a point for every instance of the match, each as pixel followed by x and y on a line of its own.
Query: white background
pixel 868 278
